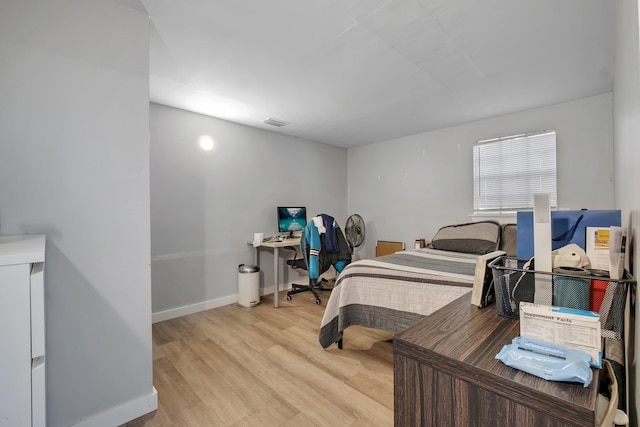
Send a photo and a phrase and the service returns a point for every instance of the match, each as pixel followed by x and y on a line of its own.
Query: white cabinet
pixel 22 331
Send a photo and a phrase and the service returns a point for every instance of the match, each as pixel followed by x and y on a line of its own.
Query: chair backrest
pixel 304 251
pixel 314 249
pixel 301 262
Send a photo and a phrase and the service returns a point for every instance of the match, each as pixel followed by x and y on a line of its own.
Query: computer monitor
pixel 291 219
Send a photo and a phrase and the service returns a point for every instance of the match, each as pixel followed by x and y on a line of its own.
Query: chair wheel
pixel 318 301
pixel 288 297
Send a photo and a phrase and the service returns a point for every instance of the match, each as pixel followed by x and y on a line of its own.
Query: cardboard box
pixel 576 329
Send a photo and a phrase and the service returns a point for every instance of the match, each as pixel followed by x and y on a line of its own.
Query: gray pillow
pixel 474 238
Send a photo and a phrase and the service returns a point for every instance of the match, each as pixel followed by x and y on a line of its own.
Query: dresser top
pixel 22 249
pixel 465 339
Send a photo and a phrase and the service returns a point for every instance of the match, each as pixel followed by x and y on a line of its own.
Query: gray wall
pixel 74 156
pixel 205 206
pixel 406 189
pixel 626 132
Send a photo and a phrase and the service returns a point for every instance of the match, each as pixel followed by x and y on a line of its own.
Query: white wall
pixel 206 206
pixel 407 188
pixel 626 128
pixel 74 165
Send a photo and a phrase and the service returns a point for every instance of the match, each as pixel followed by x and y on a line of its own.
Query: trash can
pixel 248 285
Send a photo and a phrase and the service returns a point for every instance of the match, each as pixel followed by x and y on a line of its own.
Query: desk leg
pixel 276 258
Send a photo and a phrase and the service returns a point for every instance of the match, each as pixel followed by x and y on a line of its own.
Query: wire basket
pixel 515 282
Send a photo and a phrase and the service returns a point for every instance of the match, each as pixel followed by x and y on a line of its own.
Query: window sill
pixel 502 217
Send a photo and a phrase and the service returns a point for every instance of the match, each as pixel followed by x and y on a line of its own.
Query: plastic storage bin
pixel 248 285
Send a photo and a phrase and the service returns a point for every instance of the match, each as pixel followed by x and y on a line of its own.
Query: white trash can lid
pixel 244 268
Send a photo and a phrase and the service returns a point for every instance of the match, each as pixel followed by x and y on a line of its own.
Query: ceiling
pixel 356 72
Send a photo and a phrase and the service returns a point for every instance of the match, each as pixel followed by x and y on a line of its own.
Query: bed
pixel 394 291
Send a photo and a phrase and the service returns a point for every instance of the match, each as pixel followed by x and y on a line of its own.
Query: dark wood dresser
pixel 446 374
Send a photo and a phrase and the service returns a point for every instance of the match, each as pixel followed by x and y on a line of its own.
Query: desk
pixel 275 245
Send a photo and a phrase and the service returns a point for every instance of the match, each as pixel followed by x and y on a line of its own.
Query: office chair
pixel 322 245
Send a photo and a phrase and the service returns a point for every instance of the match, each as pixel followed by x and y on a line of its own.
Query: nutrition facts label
pixel 576 329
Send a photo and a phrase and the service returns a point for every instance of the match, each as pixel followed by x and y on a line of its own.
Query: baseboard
pixel 172 313
pixel 124 413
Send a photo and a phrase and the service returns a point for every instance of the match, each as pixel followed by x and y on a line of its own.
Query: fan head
pixel 354 231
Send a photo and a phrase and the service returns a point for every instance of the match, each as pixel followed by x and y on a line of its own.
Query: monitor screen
pixel 291 219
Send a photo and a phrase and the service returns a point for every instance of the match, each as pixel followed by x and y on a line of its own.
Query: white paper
pixel 597 247
pixel 617 247
pixel 257 239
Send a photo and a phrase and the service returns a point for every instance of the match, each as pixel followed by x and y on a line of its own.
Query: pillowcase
pixel 473 238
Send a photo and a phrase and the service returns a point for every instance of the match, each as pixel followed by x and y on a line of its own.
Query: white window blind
pixel 508 171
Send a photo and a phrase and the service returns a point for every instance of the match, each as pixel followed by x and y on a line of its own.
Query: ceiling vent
pixel 274 122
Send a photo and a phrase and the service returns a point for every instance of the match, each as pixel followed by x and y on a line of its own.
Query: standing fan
pixel 354 231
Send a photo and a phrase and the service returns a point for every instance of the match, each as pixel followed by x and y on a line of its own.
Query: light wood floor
pixel 261 366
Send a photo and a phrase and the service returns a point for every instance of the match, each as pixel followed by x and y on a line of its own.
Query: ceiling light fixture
pixel 275 122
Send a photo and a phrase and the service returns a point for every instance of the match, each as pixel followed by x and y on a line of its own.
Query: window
pixel 508 171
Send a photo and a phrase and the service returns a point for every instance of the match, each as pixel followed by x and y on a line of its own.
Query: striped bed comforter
pixel 393 292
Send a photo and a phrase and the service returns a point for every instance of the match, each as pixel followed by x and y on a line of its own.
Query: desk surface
pixel 281 244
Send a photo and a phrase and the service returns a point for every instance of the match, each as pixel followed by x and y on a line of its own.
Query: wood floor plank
pixel 238 379
pixel 262 366
pixel 216 357
pixel 198 416
pixel 177 391
pixel 267 417
pixel 347 399
pixel 302 391
pixel 301 420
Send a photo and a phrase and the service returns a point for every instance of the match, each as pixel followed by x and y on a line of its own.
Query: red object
pixel 598 289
